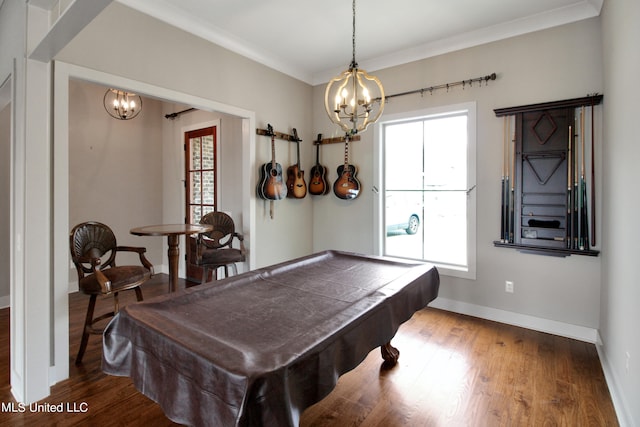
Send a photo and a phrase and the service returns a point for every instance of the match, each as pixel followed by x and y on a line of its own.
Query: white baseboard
pixel 162 268
pixel 5 301
pixel 73 287
pixel 619 403
pixel 522 320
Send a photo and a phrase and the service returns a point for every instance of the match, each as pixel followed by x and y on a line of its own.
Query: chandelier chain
pixel 354 64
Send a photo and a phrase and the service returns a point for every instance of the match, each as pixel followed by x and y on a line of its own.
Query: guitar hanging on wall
pixel 296 186
pixel 318 185
pixel 271 186
pixel 347 185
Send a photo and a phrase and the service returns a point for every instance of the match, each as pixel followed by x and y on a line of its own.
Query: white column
pixel 31 322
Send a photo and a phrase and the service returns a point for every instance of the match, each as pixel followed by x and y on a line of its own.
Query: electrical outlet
pixel 508 286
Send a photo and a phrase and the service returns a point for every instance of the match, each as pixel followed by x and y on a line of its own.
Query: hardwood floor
pixel 454 370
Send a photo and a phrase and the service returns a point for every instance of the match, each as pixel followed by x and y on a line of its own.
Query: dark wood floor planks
pixel 454 370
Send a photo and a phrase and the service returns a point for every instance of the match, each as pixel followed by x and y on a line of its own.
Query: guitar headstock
pixel 270 130
pixel 295 136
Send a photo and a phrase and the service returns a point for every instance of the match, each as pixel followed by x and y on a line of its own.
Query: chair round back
pixel 223 229
pixel 92 239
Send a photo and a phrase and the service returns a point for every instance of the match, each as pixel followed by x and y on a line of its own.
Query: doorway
pixel 172 210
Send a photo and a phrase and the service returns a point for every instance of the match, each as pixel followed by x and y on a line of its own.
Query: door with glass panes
pixel 201 185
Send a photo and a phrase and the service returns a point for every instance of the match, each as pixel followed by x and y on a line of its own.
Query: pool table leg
pixel 390 354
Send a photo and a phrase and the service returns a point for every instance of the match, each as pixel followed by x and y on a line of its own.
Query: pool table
pixel 258 348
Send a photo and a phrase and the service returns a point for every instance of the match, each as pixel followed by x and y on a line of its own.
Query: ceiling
pixel 311 40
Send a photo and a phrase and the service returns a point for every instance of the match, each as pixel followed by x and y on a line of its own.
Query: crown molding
pixel 542 21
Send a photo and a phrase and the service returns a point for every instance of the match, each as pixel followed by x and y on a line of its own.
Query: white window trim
pixel 379 188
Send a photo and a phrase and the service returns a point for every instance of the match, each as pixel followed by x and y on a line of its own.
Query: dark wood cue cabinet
pixel 547 170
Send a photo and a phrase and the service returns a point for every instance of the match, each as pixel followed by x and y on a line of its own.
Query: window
pixel 427 203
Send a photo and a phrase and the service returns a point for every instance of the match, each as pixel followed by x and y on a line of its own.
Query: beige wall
pixel 12 36
pixel 621 277
pixel 149 51
pixel 563 62
pixel 131 173
pixel 560 63
pixel 229 162
pixel 115 167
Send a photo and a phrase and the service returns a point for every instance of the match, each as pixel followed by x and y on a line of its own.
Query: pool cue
pixel 502 186
pixel 593 183
pixel 584 226
pixel 569 230
pixel 507 178
pixel 578 242
pixel 512 199
pixel 576 196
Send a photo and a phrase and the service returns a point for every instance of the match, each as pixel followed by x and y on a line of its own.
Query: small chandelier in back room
pixel 122 105
pixel 354 99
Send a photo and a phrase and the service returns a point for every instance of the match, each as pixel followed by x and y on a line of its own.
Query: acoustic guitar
pixel 296 186
pixel 271 186
pixel 318 184
pixel 347 185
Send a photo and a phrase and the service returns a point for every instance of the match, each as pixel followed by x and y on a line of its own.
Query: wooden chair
pixel 215 249
pixel 90 242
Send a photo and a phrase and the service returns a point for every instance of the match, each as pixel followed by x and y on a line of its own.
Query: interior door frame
pixel 218 143
pixel 62 283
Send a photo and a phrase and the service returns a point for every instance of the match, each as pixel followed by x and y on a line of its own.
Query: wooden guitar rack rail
pixel 335 140
pixel 294 138
pixel 280 135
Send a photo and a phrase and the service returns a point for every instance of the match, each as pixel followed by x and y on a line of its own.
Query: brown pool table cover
pixel 258 348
